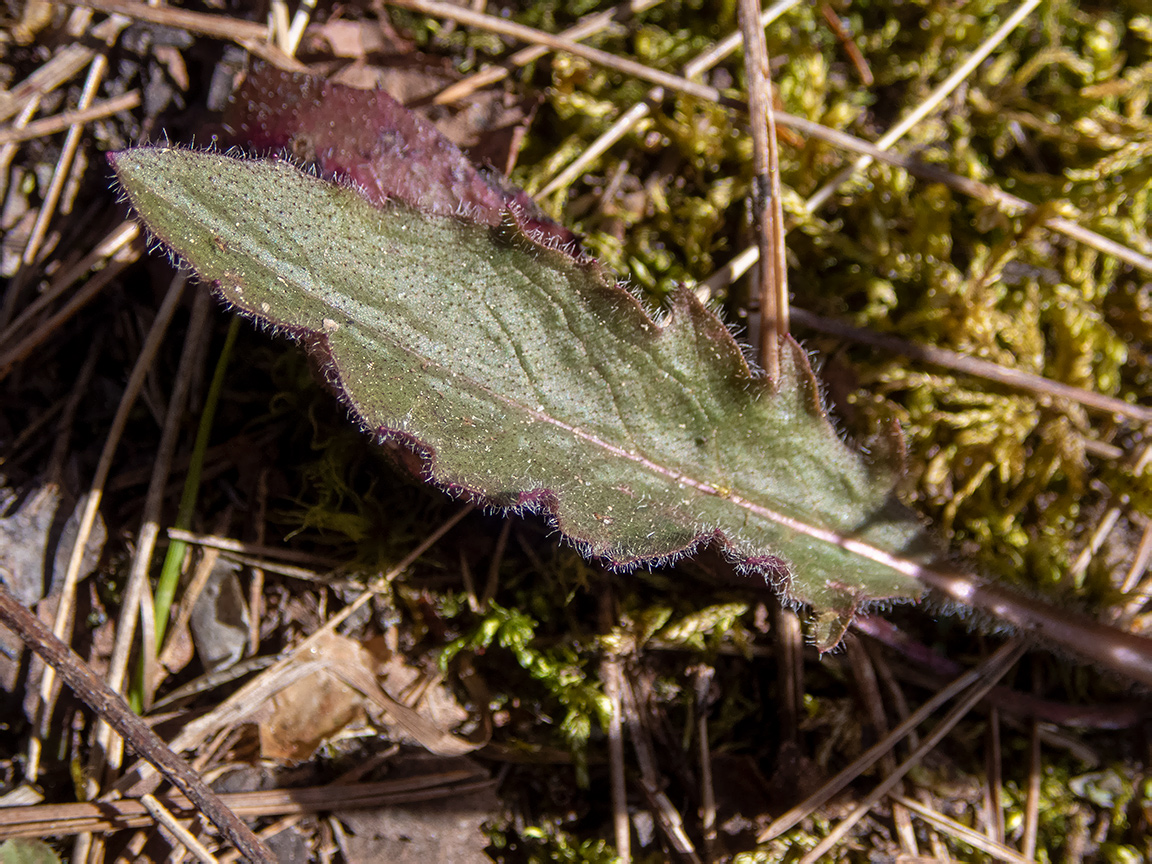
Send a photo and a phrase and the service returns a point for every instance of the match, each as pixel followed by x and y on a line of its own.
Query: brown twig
pixel 90 290
pixel 767 211
pixel 504 27
pixel 107 751
pixel 847 43
pixel 64 63
pixel 924 667
pixel 63 169
pixel 1010 204
pixel 788 639
pixel 994 779
pixel 612 674
pixel 866 680
pixel 201 23
pixel 666 815
pixel 92 500
pixel 115 245
pixel 492 583
pixel 256 586
pixel 56 820
pixel 985 369
pixel 112 708
pixel 7 154
pixel 612 679
pixel 929 104
pixel 255 550
pixel 702 677
pixel 1125 653
pixel 59 122
pixel 181 836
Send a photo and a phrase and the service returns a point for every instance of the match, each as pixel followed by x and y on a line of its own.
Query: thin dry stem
pixel 493 581
pixel 8 153
pixel 589 25
pixel 868 689
pixel 504 27
pixel 701 682
pixel 962 832
pixel 1139 564
pixel 667 816
pixel 59 122
pixel 64 163
pixel 180 835
pixel 967 186
pixel 976 367
pixel 194 344
pixel 788 638
pixel 26 346
pixel 991 671
pixel 205 24
pixel 698 65
pixel 125 251
pixel 1032 801
pixel 848 44
pixel 1075 573
pixel 256 586
pixel 1010 204
pixel 113 244
pixel 771 278
pixel 238 705
pixel 930 103
pixel 124 813
pixel 92 505
pixel 612 674
pixel 95 693
pixel 255 550
pixel 61 447
pixel 873 754
pixel 63 65
pixel 994 778
pixel 191 593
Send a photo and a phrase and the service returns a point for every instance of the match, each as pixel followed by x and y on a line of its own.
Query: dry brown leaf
pixel 347 690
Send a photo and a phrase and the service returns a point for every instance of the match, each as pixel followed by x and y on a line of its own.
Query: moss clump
pixel 1057 116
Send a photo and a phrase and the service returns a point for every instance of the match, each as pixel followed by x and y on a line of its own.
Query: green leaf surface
pixel 535 382
pixel 23 850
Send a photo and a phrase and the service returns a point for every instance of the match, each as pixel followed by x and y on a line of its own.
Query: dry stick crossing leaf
pixel 534 382
pixel 112 708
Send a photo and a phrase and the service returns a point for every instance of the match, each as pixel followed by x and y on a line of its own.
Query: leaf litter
pixel 884 291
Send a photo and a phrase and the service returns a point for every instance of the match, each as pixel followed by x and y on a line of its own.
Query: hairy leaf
pixel 535 382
